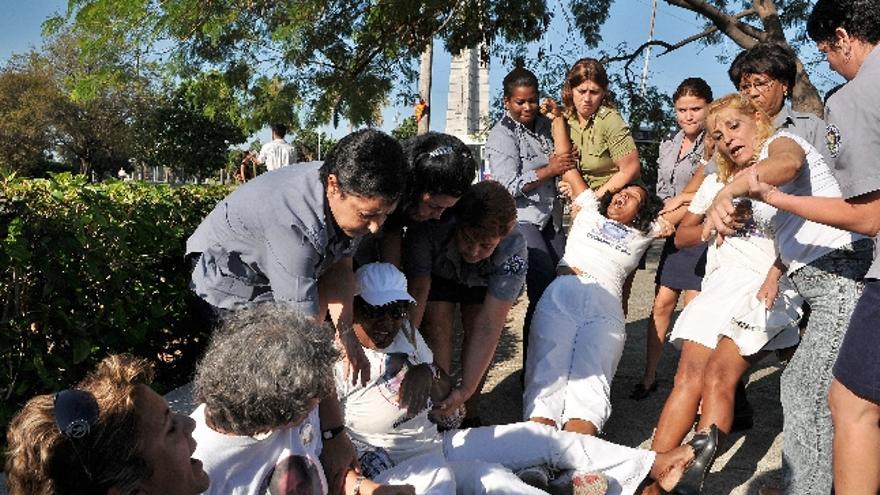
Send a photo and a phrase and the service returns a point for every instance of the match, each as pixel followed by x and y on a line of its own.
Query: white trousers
pixel 482 461
pixel 576 342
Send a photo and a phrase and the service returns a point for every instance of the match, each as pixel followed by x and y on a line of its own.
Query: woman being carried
pixel 577 333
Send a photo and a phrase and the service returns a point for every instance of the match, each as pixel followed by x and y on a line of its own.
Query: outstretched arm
pixel 785 159
pixel 478 353
pixel 860 214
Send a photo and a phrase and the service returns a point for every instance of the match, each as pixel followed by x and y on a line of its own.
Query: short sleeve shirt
pixel 674 172
pixel 430 250
pixel 270 239
pixel 276 154
pixel 602 248
pixel 604 138
pixel 800 241
pixel 853 136
pixel 514 153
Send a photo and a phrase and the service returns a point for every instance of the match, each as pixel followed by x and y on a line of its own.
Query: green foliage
pixel 179 134
pixel 407 129
pixel 309 141
pixel 317 58
pixel 93 269
pixel 29 100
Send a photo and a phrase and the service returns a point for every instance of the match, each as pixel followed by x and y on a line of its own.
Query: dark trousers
pixel 546 247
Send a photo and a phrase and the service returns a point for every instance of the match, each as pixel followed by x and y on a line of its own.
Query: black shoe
pixel 705 447
pixel 641 392
pixel 472 422
pixel 743 414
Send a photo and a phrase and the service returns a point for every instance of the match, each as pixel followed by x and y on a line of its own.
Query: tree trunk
pixel 425 87
pixel 804 96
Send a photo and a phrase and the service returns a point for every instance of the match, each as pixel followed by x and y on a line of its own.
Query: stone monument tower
pixel 468 101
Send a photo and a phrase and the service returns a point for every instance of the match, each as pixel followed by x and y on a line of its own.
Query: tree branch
pixel 741 33
pixel 669 47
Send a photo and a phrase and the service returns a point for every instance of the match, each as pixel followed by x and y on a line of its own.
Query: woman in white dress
pixel 747 305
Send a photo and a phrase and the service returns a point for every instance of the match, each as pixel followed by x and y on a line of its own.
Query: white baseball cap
pixel 381 283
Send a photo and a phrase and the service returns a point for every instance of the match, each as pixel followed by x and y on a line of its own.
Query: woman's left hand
pixel 452 402
pixel 416 388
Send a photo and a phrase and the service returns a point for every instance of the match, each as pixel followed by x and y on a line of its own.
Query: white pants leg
pixel 428 473
pixel 576 342
pixel 488 478
pixel 526 444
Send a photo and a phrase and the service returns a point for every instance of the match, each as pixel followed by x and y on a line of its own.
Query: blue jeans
pixel 831 285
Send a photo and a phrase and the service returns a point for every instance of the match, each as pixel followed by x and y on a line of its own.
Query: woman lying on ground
pixel 746 306
pixel 577 332
pixel 112 434
pixel 388 420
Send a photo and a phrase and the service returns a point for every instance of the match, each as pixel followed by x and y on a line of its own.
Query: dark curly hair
pixel 860 18
pixel 647 211
pixel 438 164
pixel 774 59
pixel 368 163
pixel 263 368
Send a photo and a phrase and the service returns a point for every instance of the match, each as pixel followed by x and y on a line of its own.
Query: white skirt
pixel 727 306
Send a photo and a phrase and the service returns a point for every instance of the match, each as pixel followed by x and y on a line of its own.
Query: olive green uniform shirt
pixel 604 138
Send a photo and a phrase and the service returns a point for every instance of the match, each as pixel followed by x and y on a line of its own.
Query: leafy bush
pixel 92 269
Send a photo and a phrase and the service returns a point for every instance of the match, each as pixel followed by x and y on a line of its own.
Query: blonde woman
pixel 747 306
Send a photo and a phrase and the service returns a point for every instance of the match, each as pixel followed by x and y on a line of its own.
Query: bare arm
pixel 628 169
pixel 419 287
pixel 479 351
pixel 860 214
pixel 689 231
pixel 336 294
pixel 785 159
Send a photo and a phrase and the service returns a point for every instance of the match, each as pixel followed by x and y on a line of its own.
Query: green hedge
pixel 94 269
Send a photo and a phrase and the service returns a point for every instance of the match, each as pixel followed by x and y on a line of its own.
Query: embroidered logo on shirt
pixel 832 139
pixel 514 265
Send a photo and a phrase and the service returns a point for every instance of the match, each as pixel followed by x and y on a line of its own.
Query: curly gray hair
pixel 263 368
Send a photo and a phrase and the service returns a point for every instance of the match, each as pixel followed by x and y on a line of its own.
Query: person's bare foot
pixel 669 466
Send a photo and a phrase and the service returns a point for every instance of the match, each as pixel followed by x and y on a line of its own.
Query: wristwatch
pixel 332 432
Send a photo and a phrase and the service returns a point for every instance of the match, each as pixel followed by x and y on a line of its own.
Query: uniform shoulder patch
pixel 514 265
pixel 833 139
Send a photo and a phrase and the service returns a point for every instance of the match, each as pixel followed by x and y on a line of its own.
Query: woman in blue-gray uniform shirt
pixel 519 152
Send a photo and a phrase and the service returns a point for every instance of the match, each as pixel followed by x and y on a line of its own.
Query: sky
pixel 21 20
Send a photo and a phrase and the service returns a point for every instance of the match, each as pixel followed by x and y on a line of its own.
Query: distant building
pixel 467 108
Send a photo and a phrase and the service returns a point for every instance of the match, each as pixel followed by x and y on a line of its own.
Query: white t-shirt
pixel 373 414
pixel 801 241
pixel 752 246
pixel 602 248
pixel 276 154
pixel 242 465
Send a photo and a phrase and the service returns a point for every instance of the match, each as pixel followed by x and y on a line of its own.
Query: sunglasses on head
pixel 76 412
